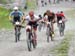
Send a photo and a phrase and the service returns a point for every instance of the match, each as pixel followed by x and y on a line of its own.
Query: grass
pixel 63 47
pixel 6 1
pixel 4 14
pixel 4 22
pixel 3 1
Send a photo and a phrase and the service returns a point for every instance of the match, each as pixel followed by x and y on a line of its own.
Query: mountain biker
pixel 50 18
pixel 32 20
pixel 15 16
pixel 60 16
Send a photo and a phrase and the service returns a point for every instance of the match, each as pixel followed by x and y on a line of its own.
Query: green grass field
pixel 63 47
pixel 3 1
pixel 4 22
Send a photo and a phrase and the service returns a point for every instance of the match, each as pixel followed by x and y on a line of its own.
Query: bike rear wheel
pixel 61 29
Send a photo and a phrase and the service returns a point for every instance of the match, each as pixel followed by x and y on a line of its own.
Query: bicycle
pixel 18 27
pixel 30 37
pixel 49 32
pixel 17 31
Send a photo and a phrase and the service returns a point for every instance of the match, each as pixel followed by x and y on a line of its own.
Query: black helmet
pixel 61 11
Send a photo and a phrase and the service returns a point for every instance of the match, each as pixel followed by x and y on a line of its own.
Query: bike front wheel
pixel 29 42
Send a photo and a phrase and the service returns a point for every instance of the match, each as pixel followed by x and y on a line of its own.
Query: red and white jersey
pixel 28 18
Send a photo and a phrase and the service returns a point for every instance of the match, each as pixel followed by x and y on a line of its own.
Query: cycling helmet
pixel 31 13
pixel 15 8
pixel 61 11
pixel 48 12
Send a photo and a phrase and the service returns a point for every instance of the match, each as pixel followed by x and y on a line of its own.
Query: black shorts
pixel 15 19
pixel 33 24
pixel 59 18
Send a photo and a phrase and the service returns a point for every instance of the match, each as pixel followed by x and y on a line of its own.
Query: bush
pixel 4 21
pixel 3 1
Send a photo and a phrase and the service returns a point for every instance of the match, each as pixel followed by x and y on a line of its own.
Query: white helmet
pixel 15 8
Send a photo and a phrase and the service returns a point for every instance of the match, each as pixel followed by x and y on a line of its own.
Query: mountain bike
pixel 17 31
pixel 31 39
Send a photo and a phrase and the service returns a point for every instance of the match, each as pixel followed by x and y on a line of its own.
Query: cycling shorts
pixel 34 24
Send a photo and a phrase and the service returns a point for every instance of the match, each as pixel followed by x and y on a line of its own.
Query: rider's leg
pixel 14 28
pixel 52 28
pixel 19 33
pixel 35 35
pixel 13 22
pixel 15 33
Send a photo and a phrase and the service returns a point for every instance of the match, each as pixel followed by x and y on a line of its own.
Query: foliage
pixel 63 47
pixel 4 22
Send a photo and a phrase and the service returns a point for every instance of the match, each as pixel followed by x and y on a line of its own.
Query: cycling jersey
pixel 60 16
pixel 28 18
pixel 51 17
pixel 16 15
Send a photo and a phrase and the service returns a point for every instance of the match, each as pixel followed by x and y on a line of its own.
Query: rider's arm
pixel 62 14
pixel 37 18
pixel 64 18
pixel 10 16
pixel 25 18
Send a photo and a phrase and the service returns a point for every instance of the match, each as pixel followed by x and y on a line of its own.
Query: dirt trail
pixel 9 48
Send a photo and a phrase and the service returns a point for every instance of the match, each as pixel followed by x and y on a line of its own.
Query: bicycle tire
pixel 48 34
pixel 29 42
